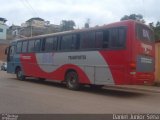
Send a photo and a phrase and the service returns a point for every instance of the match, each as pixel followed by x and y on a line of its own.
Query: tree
pixel 158 24
pixel 151 25
pixel 67 25
pixel 137 17
pixel 157 31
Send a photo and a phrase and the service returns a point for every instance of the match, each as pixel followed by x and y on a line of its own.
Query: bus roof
pixel 123 23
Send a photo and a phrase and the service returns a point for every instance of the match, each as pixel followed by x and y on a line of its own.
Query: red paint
pixel 31 68
pixel 121 62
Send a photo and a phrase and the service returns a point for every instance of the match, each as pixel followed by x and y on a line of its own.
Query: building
pixel 157 65
pixel 3 29
pixel 3 45
pixel 13 32
pixel 35 22
pixel 3 42
pixel 32 27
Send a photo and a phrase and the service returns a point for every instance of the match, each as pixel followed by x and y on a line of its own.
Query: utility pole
pixel 31 31
pixel 87 23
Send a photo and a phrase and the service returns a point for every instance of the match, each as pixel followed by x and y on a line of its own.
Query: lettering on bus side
pixel 77 57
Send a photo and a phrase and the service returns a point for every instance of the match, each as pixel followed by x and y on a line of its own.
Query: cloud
pixel 99 11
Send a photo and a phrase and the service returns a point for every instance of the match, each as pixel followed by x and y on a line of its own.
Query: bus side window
pixel 66 42
pixel 55 43
pixel 117 37
pixel 105 38
pixel 75 42
pixel 50 44
pixel 19 47
pixel 12 50
pixel 122 33
pixel 37 45
pixel 31 46
pixel 87 40
pixel 99 39
pixel 24 46
pixel 113 37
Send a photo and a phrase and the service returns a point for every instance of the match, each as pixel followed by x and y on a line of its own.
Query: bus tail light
pixel 133 65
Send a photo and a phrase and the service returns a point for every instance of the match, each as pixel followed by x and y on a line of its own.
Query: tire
pixel 19 74
pixel 72 80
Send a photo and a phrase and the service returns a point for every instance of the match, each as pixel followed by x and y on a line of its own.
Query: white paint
pixel 93 64
pixel 147 48
pixel 26 57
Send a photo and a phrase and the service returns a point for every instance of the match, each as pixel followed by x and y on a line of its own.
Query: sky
pixel 99 12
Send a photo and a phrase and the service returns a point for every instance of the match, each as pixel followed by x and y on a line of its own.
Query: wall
pixel 2 52
pixel 3 31
pixel 157 66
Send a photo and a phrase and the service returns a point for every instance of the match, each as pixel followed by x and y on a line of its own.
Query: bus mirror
pixel 6 51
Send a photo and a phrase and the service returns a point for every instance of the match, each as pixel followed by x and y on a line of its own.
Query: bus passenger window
pixel 31 46
pixel 37 45
pixel 75 42
pixel 87 40
pixel 117 37
pixel 24 46
pixel 113 37
pixel 67 42
pixel 122 37
pixel 99 39
pixel 55 43
pixel 105 39
pixel 50 44
pixel 19 47
pixel 12 50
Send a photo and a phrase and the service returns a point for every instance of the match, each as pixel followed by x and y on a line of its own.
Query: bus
pixel 120 53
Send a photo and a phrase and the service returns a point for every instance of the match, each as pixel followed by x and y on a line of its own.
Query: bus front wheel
pixel 19 74
pixel 72 80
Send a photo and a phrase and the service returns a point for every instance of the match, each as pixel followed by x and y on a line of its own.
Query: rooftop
pixel 3 19
pixel 36 18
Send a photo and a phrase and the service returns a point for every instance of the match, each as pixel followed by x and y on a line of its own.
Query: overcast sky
pixel 99 11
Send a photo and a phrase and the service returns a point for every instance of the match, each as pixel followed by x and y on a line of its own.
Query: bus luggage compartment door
pixel 103 75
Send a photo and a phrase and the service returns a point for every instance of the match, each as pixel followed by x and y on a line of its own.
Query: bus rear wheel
pixel 19 74
pixel 72 80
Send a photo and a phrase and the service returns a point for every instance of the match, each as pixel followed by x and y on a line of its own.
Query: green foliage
pixel 137 17
pixel 67 25
pixel 156 29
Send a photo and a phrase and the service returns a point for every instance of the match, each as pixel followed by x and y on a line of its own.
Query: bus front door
pixel 10 60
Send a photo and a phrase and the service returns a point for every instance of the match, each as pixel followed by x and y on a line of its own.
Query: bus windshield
pixel 144 33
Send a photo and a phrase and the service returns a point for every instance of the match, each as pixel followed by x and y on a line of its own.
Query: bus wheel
pixel 19 74
pixel 72 80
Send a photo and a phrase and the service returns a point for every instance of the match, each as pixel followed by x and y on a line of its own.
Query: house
pixel 13 32
pixel 38 26
pixel 34 22
pixel 3 29
pixel 32 27
pixel 3 42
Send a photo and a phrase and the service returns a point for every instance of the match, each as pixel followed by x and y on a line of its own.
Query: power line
pixel 31 7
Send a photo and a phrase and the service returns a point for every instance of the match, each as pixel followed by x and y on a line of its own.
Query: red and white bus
pixel 120 53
